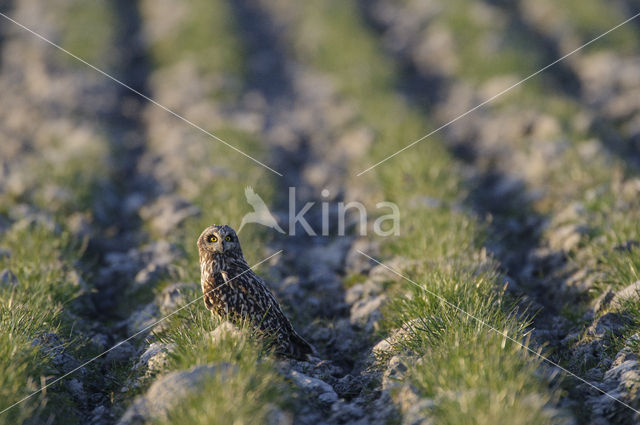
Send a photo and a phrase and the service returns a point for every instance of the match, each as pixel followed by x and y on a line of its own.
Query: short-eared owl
pixel 231 289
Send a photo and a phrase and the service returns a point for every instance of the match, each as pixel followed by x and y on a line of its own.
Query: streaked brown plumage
pixel 231 289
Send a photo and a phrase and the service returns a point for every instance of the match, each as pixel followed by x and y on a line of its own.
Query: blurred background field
pixel 525 213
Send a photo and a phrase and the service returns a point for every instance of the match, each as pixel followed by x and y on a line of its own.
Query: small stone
pixel 355 141
pixel 593 374
pixel 168 391
pixel 8 279
pixel 631 292
pixel 171 297
pixel 349 385
pixel 622 379
pixel 382 348
pixel 101 341
pixel 167 213
pixel 155 357
pixel 382 273
pixel 277 416
pixel 570 213
pixel 354 293
pixel 143 319
pixel 53 346
pixel 101 416
pixel 364 309
pixel 121 353
pixel 355 262
pixel 603 301
pixel 133 202
pixel 321 389
pixel 610 323
pixel 157 259
pixel 224 330
pixel 328 397
pixel 394 372
pixel 415 412
pixel 367 289
pixel 347 412
pixel 149 274
pixel 567 237
pixel 76 389
pixel 79 224
pixel 330 256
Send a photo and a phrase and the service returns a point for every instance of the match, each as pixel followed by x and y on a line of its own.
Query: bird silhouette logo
pixel 260 214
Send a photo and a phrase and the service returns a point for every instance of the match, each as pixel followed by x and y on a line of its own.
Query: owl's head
pixel 219 239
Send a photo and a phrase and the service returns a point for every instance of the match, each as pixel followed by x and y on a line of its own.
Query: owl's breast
pixel 218 296
pixel 212 282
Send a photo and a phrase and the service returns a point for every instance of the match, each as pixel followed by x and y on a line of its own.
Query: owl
pixel 232 290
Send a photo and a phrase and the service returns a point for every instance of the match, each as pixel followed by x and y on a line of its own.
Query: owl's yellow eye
pixel 228 239
pixel 212 238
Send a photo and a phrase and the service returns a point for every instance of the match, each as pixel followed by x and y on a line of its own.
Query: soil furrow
pixel 303 135
pixel 119 224
pixel 117 230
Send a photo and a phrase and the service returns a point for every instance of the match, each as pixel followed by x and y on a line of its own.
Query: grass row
pixel 606 186
pixel 37 305
pixel 46 256
pixel 204 37
pixel 473 375
pixel 608 190
pixel 581 184
pixel 53 188
pixel 581 171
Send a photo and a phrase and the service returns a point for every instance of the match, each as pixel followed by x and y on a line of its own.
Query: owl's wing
pixel 270 319
pixel 296 347
pixel 271 315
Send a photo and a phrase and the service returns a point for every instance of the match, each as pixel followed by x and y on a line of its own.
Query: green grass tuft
pixel 40 260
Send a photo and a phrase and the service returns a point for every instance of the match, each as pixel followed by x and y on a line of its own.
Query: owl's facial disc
pixel 210 240
pixel 218 239
pixel 229 239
